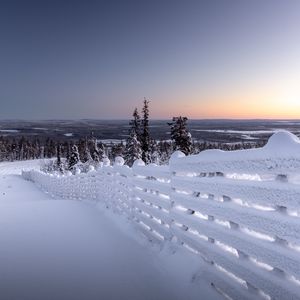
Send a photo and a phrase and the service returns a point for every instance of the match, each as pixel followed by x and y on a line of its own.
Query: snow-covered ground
pixel 238 211
pixel 15 168
pixel 62 249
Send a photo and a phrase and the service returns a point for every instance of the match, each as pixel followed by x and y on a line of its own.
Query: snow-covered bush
pixel 106 162
pixel 49 166
pixel 119 161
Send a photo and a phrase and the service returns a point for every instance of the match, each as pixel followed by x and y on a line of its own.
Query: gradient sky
pixel 98 59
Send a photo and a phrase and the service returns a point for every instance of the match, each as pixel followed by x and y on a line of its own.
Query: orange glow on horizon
pixel 257 105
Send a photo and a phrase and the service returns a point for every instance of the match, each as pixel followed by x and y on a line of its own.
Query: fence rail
pixel 239 211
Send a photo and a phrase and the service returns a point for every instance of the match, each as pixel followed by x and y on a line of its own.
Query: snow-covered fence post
pixel 121 175
pixel 173 195
pixel 150 200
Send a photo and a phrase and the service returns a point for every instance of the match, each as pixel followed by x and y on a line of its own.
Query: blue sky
pixel 98 59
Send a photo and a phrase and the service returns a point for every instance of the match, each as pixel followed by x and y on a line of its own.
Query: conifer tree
pixel 135 123
pixel 86 155
pixel 117 150
pixel 74 158
pixel 59 164
pixel 95 153
pixel 68 155
pixel 133 149
pixel 180 135
pixel 102 151
pixel 154 152
pixel 145 135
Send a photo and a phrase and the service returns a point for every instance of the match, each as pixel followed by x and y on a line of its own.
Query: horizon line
pixel 150 119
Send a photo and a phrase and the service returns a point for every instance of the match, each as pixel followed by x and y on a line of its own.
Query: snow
pixel 251 132
pixel 111 141
pixel 15 168
pixel 62 249
pixel 247 137
pixel 267 159
pixel 9 130
pixel 240 225
pixel 119 161
pixel 283 140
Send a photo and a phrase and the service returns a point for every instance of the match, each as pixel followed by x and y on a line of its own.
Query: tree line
pixel 89 153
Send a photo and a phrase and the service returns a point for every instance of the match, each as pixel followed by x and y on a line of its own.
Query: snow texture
pixel 238 211
pixel 67 250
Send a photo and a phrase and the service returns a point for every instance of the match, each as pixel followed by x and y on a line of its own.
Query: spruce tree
pixel 180 135
pixel 117 150
pixel 154 152
pixel 133 149
pixel 102 151
pixel 135 123
pixel 81 149
pixel 95 153
pixel 68 155
pixel 74 158
pixel 145 136
pixel 59 164
pixel 86 155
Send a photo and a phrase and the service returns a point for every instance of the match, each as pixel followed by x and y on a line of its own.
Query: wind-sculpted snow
pixel 280 155
pixel 239 211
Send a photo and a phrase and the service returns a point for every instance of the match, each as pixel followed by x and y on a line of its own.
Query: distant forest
pixel 139 145
pixel 12 149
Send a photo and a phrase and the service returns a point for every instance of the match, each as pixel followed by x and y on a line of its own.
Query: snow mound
pixel 280 154
pixel 283 140
pixel 119 161
pixel 139 162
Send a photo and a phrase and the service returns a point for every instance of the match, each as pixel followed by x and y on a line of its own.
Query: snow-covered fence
pixel 239 211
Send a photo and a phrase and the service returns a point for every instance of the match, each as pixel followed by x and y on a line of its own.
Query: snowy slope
pixel 61 249
pixel 16 167
pixel 238 211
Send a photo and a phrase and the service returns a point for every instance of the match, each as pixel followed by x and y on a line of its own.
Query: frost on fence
pixel 231 208
pixel 238 210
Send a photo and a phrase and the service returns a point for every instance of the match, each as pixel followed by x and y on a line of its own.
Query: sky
pixel 99 59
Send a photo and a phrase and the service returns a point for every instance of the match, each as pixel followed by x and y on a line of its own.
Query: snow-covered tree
pixel 86 155
pixel 58 163
pixel 164 151
pixel 135 123
pixel 74 158
pixel 133 148
pixel 155 153
pixel 102 151
pixel 180 135
pixel 145 135
pixel 117 150
pixel 95 153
